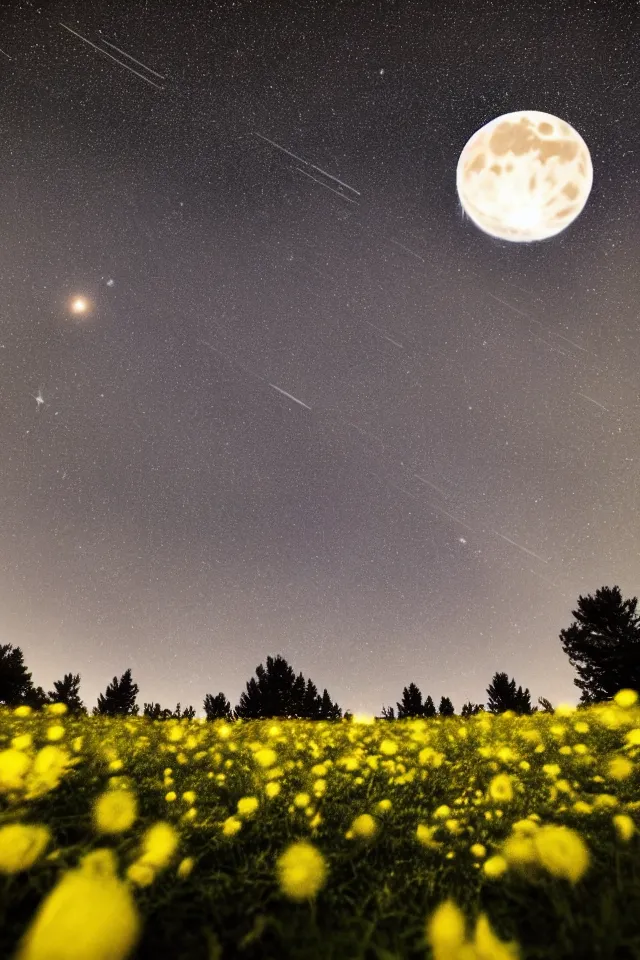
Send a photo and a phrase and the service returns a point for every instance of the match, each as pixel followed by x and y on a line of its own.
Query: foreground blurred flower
pixel 48 768
pixel 185 867
pixel 247 806
pixel 115 811
pixel 446 931
pixel 158 845
pixel 562 852
pixel 13 767
pixel 301 870
pixel 625 827
pixel 363 826
pixel 89 915
pixel 446 935
pixel 20 846
pixel 501 789
pixel 626 698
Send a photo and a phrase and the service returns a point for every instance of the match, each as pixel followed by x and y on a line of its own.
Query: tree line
pixel 603 645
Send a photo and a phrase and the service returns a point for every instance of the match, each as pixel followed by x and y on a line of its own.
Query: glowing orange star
pixel 79 305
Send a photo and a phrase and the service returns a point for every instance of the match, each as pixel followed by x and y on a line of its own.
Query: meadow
pixel 487 838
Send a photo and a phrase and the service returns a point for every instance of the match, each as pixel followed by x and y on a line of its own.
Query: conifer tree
pixel 67 691
pixel 446 707
pixel 15 679
pixel 217 708
pixel 471 709
pixel 328 709
pixel 503 695
pixel 277 692
pixel 411 704
pixel 119 699
pixel 604 645
pixel 429 708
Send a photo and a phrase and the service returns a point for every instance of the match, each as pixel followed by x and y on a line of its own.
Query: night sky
pixel 461 459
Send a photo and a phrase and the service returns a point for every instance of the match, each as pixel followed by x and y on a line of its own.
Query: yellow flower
pixel 171 796
pixel 519 850
pixel 620 768
pixel 388 747
pixel 56 732
pixel 561 851
pixel 266 757
pixel 22 742
pixel 20 846
pixel 115 811
pixel 488 946
pixel 22 711
pixel 185 867
pixel 500 788
pixel 231 826
pixel 302 800
pixel 625 826
pixel 425 836
pixel 141 874
pixel 384 805
pixel 247 806
pixel 272 789
pixel 89 913
pixel 364 826
pixel 57 709
pixel 302 871
pixel 189 796
pixel 626 698
pixel 445 931
pixel 13 767
pixel 158 845
pixel 48 768
pixel 495 866
pixel 478 850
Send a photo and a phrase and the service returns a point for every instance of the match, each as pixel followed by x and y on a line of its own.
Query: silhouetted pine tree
pixel 471 709
pixel 15 679
pixel 446 707
pixel 217 708
pixel 411 704
pixel 388 713
pixel 67 691
pixel 153 711
pixel 348 716
pixel 277 692
pixel 502 696
pixel 604 645
pixel 545 705
pixel 429 708
pixel 119 699
pixel 188 713
pixel 328 709
pixel 311 701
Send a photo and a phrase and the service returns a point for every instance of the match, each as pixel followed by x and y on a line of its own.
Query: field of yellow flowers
pixel 490 838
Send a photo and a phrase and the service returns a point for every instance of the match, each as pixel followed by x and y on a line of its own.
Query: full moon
pixel 524 176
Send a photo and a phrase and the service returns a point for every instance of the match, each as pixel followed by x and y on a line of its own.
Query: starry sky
pixel 461 457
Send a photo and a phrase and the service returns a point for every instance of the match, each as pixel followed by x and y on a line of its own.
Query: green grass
pixel 379 892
